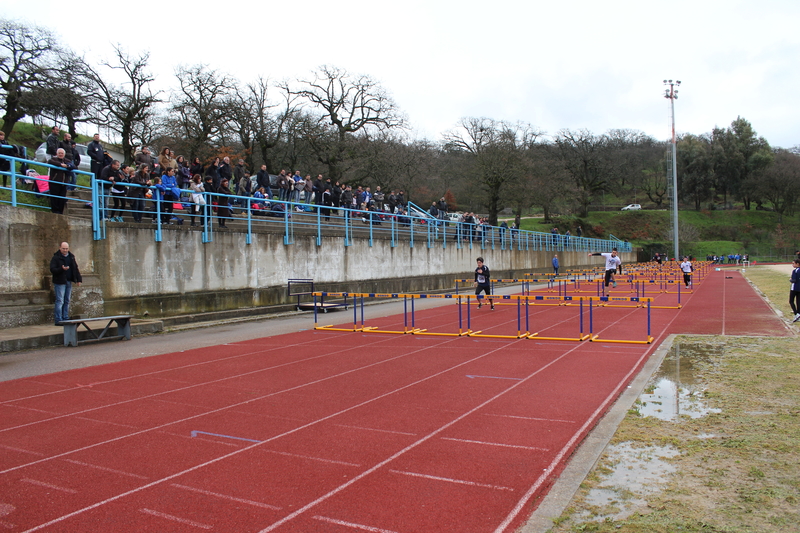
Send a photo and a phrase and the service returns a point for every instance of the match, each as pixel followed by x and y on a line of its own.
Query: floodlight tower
pixel 672 94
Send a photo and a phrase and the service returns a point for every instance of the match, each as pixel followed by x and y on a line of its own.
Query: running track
pixel 318 431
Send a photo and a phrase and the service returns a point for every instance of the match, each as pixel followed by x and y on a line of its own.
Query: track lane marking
pixel 149 396
pixel 156 372
pixel 47 485
pixel 422 440
pixel 206 413
pixel 533 418
pixel 105 469
pixel 591 421
pixel 467 441
pixel 351 524
pixel 451 480
pixel 226 497
pixel 174 518
pixel 252 446
pixel 320 459
pixel 378 430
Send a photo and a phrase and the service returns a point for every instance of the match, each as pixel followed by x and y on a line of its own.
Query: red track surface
pixel 333 431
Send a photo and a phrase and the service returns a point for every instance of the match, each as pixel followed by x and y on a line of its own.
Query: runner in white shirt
pixel 687 269
pixel 612 261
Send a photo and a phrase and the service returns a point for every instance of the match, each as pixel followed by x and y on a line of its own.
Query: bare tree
pixel 67 97
pixel 201 106
pixel 126 108
pixel 27 63
pixel 496 150
pixel 585 158
pixel 545 183
pixel 346 105
pixel 261 124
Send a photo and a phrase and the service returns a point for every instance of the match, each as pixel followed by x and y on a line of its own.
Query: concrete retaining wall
pixel 131 273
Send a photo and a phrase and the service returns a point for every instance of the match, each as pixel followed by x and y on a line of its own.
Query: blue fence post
pixel 205 218
pixel 157 201
pixel 348 238
pixel 371 226
pixel 249 239
pixel 319 226
pixel 286 215
pixel 97 230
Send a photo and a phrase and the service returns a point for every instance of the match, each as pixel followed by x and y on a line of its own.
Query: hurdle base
pixel 648 341
pixel 518 336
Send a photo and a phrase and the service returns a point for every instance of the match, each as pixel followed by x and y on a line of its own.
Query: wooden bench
pixel 71 329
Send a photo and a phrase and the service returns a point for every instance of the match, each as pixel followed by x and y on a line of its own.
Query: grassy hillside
pixel 31 136
pixel 759 233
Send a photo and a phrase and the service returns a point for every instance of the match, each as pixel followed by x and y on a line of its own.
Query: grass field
pixel 735 469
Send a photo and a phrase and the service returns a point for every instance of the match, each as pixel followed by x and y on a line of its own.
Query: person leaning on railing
pixel 136 193
pixel 198 198
pixel 59 177
pixel 8 149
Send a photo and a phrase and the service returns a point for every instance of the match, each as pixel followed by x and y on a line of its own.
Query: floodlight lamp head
pixel 678 82
pixel 665 82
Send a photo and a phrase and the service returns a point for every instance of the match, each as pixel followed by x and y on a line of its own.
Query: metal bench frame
pixel 71 329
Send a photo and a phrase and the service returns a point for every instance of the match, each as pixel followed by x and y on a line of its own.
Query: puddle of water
pixel 676 389
pixel 637 472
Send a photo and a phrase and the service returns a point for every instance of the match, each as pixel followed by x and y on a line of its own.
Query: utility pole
pixel 672 94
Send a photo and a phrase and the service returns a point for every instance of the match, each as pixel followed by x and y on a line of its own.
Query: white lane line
pixel 48 485
pixel 535 448
pixel 591 421
pixel 176 519
pixel 320 459
pixel 284 434
pixel 106 469
pixel 533 418
pixel 213 411
pixel 20 450
pixel 451 480
pixel 131 400
pixel 26 408
pixel 155 372
pixel 362 527
pixel 226 497
pixel 424 439
pixel 378 430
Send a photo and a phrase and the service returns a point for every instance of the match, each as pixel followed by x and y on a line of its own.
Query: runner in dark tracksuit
pixel 794 291
pixel 482 282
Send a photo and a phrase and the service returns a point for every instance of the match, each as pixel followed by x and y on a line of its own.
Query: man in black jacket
pixel 72 156
pixel 262 179
pixel 59 177
pixel 52 142
pixel 95 152
pixel 65 272
pixel 9 149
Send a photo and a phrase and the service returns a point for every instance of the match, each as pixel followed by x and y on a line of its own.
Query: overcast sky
pixel 579 64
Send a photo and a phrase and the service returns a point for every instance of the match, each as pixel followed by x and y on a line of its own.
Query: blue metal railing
pixel 290 218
